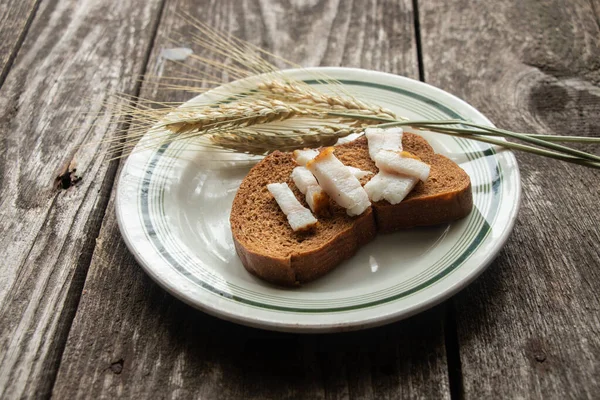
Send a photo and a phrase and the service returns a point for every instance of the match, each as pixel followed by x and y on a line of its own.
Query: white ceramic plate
pixel 173 210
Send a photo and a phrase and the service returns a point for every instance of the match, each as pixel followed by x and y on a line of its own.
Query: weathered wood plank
pixel 131 339
pixel 75 52
pixel 15 17
pixel 529 327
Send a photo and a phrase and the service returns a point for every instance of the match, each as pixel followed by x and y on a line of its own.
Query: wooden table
pixel 79 318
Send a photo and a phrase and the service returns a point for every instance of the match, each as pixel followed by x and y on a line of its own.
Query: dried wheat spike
pixel 259 143
pixel 231 115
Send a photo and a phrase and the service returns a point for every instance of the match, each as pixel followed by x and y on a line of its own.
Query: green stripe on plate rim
pixel 475 242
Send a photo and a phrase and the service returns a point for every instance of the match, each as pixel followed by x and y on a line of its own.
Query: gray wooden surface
pixel 74 52
pixel 79 318
pixel 530 326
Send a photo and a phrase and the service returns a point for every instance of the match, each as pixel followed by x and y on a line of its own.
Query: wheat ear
pixel 261 142
pixel 238 114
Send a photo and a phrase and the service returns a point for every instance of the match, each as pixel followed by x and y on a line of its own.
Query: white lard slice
pixel 402 163
pixel 305 181
pixel 391 187
pixel 299 217
pixel 383 139
pixel 338 182
pixel 385 185
pixel 304 156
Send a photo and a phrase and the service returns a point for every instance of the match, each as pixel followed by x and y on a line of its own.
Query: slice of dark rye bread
pixel 270 249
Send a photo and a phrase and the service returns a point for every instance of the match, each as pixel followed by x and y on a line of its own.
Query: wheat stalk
pixel 242 125
pixel 262 142
pixel 280 113
pixel 222 122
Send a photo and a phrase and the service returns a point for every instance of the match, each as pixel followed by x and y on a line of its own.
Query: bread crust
pixel 270 250
pixel 440 209
pixel 307 266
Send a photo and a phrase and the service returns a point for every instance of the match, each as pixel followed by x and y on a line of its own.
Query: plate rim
pixel 377 320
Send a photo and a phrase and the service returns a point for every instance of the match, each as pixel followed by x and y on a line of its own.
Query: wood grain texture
pixel 529 327
pixel 74 54
pixel 131 339
pixel 15 17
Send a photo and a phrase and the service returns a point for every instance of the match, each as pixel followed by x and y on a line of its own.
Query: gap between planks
pixel 455 379
pixel 417 24
pixel 17 46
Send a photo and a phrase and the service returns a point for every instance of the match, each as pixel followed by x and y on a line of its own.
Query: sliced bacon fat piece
pixel 305 181
pixel 299 217
pixel 338 182
pixel 403 163
pixel 383 139
pixel 389 186
pixel 304 156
